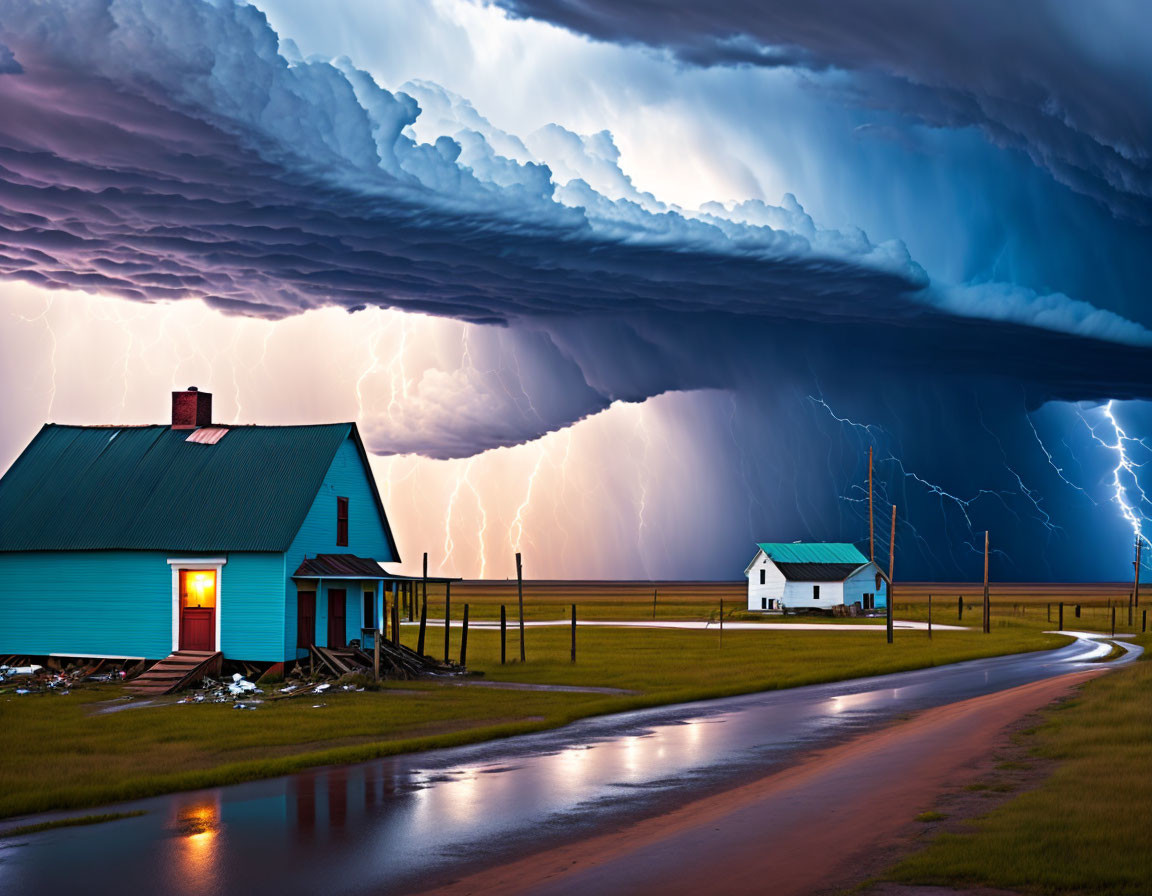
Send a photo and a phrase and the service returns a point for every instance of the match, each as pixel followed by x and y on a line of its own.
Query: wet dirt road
pixel 416 822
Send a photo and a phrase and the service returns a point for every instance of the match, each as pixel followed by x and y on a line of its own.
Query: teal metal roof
pixel 149 488
pixel 813 552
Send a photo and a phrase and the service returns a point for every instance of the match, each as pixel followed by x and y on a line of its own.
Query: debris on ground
pixel 56 678
pixel 240 692
pixel 325 670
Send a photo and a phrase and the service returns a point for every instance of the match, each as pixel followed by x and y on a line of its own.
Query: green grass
pixel 1085 830
pixel 77 821
pixel 927 817
pixel 59 754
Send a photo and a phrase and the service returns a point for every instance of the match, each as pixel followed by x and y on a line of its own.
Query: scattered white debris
pixel 20 670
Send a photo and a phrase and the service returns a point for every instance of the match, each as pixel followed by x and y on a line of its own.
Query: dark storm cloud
pixel 163 151
pixel 1068 84
pixel 8 63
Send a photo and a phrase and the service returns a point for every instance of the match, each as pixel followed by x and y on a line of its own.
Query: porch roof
pixel 349 566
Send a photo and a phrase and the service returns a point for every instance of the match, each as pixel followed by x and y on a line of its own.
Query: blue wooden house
pixel 140 541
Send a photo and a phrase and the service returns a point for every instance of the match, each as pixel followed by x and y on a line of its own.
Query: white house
pixel 814 575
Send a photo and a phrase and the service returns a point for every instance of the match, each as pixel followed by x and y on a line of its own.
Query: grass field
pixel 701 601
pixel 1085 830
pixel 58 753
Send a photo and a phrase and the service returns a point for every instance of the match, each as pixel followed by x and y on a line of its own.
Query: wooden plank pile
pixel 396 662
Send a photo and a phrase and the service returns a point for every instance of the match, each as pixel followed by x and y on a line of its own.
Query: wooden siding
pixel 773 587
pixel 252 607
pixel 99 603
pixel 865 581
pixel 798 595
pixel 346 477
pixel 119 603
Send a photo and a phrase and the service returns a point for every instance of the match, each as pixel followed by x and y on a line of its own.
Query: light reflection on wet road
pixel 407 822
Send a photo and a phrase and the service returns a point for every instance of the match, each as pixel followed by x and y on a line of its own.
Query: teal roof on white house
pixel 812 552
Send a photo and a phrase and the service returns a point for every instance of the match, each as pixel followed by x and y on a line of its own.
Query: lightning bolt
pixel 1028 493
pixel 43 316
pixel 463 481
pixel 518 521
pixel 1052 462
pixel 641 431
pixel 374 355
pixel 1124 474
pixel 962 504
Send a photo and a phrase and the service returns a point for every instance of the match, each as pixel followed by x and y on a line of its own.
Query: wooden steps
pixel 181 669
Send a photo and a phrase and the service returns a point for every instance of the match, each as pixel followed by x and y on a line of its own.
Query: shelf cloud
pixel 163 152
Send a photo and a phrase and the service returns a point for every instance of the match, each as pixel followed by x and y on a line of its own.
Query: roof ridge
pixel 206 426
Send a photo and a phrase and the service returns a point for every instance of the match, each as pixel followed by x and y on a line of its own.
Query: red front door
pixel 198 629
pixel 197 609
pixel 337 625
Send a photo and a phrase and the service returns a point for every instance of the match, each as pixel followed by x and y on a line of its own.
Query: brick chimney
pixel 191 408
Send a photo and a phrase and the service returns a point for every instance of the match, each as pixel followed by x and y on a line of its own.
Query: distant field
pixel 693 600
pixel 566 591
pixel 1021 592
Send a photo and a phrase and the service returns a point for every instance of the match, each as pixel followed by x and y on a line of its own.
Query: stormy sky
pixel 625 289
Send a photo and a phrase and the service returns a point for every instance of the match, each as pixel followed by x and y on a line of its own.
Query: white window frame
pixel 196 563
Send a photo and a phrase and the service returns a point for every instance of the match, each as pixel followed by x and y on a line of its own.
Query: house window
pixel 342 522
pixel 762 577
pixel 369 609
pixel 815 592
pixel 763 603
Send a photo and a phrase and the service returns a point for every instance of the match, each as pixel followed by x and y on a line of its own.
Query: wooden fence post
pixel 447 621
pixel 424 589
pixel 1077 611
pixel 1113 622
pixel 520 596
pixel 423 628
pixel 503 634
pixel 959 608
pixel 464 639
pixel 1144 620
pixel 987 601
pixel 1061 624
pixel 573 632
pixel 929 617
pixel 890 602
pixel 721 622
pixel 395 619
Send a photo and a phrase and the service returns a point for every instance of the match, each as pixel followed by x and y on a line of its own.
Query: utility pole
pixel 987 605
pixel 871 525
pixel 891 566
pixel 1134 599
